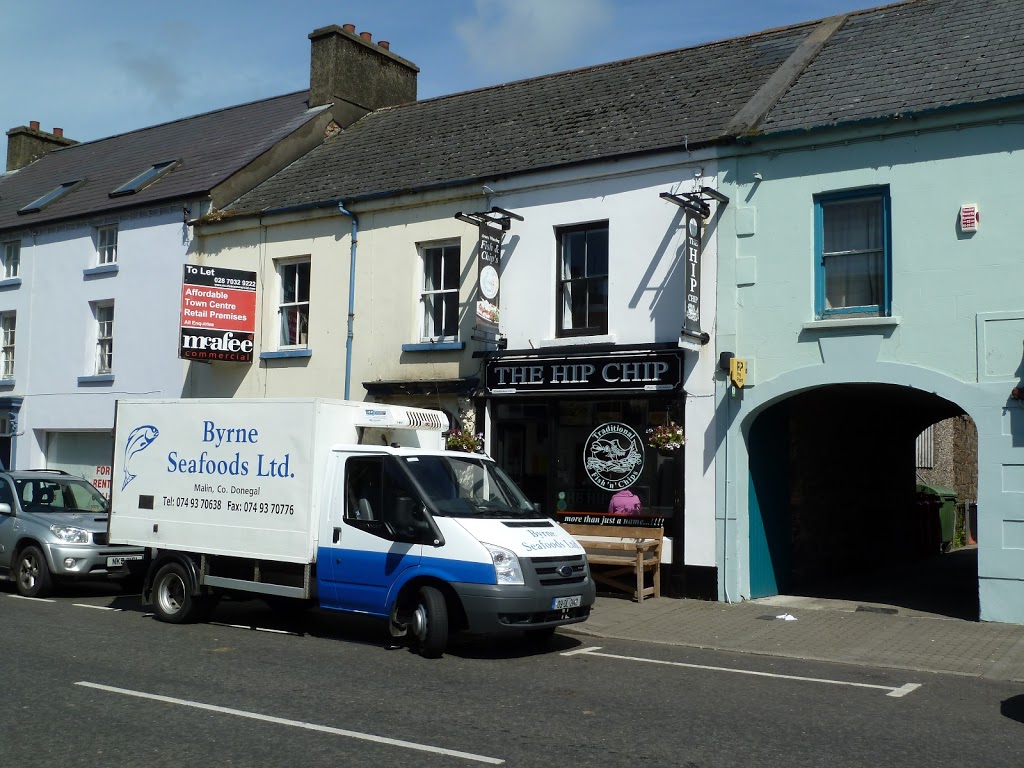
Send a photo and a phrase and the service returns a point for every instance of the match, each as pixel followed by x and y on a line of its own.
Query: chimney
pixel 26 144
pixel 355 75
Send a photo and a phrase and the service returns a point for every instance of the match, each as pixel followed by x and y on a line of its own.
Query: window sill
pixel 434 346
pixel 10 282
pixel 851 322
pixel 566 341
pixel 103 269
pixel 7 383
pixel 99 378
pixel 285 353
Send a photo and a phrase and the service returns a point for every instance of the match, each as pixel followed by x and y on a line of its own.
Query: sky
pixel 97 68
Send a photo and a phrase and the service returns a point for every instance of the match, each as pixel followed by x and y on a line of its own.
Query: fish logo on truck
pixel 139 440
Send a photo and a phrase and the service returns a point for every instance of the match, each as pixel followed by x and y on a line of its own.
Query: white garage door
pixel 82 454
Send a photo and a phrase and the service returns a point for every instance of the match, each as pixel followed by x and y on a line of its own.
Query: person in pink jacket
pixel 625 502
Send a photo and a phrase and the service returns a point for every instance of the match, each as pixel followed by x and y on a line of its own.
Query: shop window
pixel 853 260
pixel 583 280
pixel 440 296
pixel 293 309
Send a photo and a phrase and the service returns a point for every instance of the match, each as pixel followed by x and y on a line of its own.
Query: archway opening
pixel 842 508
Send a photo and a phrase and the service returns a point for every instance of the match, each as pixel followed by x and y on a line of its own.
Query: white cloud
pixel 517 38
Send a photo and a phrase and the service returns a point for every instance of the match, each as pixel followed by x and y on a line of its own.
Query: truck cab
pixel 445 539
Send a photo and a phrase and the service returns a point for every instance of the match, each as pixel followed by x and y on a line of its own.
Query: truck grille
pixel 547 568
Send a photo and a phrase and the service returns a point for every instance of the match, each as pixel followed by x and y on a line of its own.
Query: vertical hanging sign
pixel 488 262
pixel 691 320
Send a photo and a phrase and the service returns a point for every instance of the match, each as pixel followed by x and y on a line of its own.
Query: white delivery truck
pixel 352 506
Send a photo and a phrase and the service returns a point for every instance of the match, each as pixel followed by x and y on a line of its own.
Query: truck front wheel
pixel 429 626
pixel 173 601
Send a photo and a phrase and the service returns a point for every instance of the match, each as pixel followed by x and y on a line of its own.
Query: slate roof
pixel 210 146
pixel 918 55
pixel 914 57
pixel 652 103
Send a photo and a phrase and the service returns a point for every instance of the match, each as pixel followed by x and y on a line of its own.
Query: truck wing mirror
pixel 5 509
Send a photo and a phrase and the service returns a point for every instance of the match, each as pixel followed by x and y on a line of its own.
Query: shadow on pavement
pixel 942 585
pixel 1013 708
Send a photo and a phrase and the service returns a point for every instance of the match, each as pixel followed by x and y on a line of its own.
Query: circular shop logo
pixel 489 282
pixel 693 227
pixel 613 456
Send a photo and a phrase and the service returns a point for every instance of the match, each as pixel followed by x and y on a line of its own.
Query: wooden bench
pixel 631 549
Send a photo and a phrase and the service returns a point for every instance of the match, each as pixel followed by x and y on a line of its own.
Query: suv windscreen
pixel 52 495
pixel 468 487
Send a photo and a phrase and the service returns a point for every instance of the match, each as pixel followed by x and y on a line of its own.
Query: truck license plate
pixel 558 603
pixel 113 562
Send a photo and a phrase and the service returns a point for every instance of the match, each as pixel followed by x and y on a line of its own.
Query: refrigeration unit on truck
pixel 347 505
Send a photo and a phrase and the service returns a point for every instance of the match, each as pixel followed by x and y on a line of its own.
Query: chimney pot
pixel 367 36
pixel 33 124
pixel 385 45
pixel 58 131
pixel 349 28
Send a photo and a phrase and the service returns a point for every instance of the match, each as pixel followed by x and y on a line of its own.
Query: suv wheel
pixel 32 575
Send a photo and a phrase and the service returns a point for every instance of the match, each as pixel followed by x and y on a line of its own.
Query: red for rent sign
pixel 218 314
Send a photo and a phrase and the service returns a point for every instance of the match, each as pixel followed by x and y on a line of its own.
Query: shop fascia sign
pixel 643 373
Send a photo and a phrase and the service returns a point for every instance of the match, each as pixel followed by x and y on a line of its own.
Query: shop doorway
pixel 835 507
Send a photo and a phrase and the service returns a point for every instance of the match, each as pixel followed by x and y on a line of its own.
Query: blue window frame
pixel 853 253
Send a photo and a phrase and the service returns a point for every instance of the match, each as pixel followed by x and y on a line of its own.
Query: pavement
pixel 920 617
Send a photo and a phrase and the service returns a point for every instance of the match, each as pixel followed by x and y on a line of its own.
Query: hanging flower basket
pixel 464 441
pixel 667 439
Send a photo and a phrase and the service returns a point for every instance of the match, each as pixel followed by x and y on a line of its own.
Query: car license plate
pixel 113 562
pixel 558 603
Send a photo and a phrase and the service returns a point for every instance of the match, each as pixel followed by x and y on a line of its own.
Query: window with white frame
pixel 106 245
pixel 853 259
pixel 8 320
pixel 293 308
pixel 583 280
pixel 440 296
pixel 12 258
pixel 104 337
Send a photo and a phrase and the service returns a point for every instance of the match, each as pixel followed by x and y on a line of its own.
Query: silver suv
pixel 54 526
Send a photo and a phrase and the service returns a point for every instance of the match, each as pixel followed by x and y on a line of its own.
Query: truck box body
pixel 240 478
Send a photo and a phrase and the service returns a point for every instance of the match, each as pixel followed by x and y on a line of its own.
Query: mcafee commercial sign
pixel 218 314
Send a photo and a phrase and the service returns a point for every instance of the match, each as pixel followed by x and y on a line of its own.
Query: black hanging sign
pixel 488 283
pixel 694 247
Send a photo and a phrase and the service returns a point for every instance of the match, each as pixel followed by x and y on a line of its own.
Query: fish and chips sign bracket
pixel 218 315
pixel 492 226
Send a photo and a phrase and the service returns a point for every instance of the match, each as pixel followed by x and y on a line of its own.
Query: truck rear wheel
pixel 173 601
pixel 429 624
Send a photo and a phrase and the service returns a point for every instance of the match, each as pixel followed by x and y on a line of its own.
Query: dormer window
pixel 145 178
pixel 49 197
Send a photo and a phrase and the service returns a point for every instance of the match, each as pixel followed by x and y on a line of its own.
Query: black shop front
pixel 573 431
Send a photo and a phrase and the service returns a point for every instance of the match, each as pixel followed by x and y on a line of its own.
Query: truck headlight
pixel 69 534
pixel 506 565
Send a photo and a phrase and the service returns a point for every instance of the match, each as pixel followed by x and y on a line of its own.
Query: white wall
pixel 56 330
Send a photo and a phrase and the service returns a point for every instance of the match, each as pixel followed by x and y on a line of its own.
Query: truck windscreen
pixel 468 487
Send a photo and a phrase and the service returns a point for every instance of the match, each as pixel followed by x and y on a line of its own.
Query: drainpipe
pixel 351 296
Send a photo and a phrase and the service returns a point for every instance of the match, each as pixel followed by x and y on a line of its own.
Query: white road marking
pixel 258 629
pixel 36 599
pixel 97 607
pixel 296 723
pixel 899 692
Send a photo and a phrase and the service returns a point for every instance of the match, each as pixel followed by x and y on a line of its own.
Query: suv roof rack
pixel 51 471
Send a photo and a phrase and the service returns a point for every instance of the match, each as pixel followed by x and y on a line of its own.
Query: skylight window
pixel 49 197
pixel 144 179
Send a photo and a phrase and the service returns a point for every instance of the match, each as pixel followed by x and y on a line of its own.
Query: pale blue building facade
pixel 868 305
